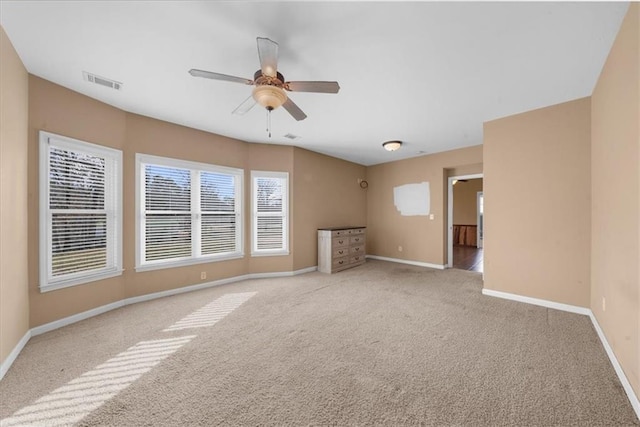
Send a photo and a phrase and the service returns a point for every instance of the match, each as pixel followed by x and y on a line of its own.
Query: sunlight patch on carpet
pixel 75 400
pixel 211 313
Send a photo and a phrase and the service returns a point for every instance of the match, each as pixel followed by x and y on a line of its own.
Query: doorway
pixel 465 222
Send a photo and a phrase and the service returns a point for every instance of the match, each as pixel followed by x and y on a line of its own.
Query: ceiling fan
pixel 270 86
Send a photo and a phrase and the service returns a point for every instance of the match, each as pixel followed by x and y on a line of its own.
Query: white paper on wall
pixel 412 199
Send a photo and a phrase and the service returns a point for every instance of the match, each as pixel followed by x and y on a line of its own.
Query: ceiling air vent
pixel 102 81
pixel 291 136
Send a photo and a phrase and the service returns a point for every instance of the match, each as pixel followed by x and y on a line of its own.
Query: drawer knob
pixel 356 249
pixel 340 262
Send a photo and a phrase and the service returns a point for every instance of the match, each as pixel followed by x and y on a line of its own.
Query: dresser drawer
pixel 340 241
pixel 356 250
pixel 340 233
pixel 340 262
pixel 356 231
pixel 356 240
pixel 357 259
pixel 340 252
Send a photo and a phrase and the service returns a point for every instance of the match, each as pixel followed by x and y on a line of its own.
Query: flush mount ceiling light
pixel 392 145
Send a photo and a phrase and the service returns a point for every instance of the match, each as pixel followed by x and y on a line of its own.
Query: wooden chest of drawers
pixel 340 248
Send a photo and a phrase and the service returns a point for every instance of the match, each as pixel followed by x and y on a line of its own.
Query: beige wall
pixel 465 201
pixel 615 228
pixel 319 185
pixel 58 110
pixel 537 228
pixel 422 239
pixel 14 294
pixel 326 193
pixel 278 158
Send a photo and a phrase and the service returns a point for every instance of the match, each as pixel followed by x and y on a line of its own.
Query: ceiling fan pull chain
pixel 269 121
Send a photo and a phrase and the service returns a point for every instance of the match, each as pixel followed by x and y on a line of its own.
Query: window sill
pixel 186 262
pixel 269 253
pixel 80 281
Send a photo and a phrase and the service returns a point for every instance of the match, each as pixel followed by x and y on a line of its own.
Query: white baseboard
pixel 184 289
pixel 535 301
pixel 405 261
pixel 626 385
pixel 282 273
pixel 6 363
pixel 38 330
pixel 56 324
pixel 199 286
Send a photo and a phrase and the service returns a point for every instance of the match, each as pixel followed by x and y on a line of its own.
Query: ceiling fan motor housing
pixel 261 79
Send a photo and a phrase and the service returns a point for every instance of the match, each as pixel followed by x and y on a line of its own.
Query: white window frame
pixel 284 214
pixel 113 202
pixel 194 167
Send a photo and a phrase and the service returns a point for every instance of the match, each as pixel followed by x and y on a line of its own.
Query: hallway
pixel 467 258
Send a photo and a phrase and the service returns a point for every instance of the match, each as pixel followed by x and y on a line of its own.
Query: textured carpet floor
pixel 381 344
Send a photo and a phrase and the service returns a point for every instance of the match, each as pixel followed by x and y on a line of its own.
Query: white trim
pixel 406 261
pixel 195 170
pixel 200 286
pixel 159 265
pixel 282 273
pixel 133 300
pixel 112 201
pixel 56 324
pixel 184 289
pixel 633 399
pixel 81 280
pixel 6 364
pixel 284 214
pixel 449 225
pixel 535 301
pixel 480 220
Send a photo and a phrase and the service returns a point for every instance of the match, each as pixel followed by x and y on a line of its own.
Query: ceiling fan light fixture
pixel 392 145
pixel 270 97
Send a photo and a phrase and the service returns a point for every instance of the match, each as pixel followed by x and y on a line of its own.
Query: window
pixel 187 212
pixel 80 212
pixel 270 192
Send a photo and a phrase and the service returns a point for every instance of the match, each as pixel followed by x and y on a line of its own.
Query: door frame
pixel 480 220
pixel 450 212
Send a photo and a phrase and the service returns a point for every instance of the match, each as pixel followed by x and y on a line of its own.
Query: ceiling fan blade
pixel 294 110
pixel 218 76
pixel 246 105
pixel 319 87
pixel 268 54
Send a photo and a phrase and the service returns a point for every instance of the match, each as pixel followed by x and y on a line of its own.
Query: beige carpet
pixel 381 344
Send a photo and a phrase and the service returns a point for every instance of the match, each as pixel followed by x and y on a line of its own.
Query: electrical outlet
pixel 399 248
pixel 203 275
pixel 432 217
pixel 604 304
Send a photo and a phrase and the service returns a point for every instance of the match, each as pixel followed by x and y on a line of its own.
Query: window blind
pixel 218 202
pixel 80 221
pixel 190 212
pixel 270 212
pixel 167 213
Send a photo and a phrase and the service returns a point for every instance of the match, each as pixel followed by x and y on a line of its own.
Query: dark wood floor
pixel 467 258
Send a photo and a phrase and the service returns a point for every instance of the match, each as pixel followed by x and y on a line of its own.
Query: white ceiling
pixel 426 73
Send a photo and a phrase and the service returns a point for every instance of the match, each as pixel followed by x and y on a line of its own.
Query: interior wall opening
pixel 465 219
